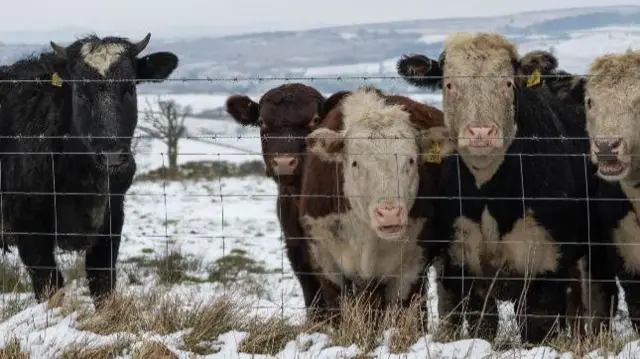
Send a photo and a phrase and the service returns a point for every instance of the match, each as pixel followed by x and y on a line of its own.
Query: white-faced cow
pixel 611 96
pixel 66 160
pixel 285 115
pixel 366 198
pixel 517 215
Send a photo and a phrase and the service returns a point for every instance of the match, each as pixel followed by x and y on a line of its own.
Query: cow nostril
pixel 293 162
pixel 616 143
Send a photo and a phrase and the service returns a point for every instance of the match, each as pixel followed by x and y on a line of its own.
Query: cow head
pixel 105 114
pixel 285 115
pixel 612 103
pixel 482 75
pixel 379 155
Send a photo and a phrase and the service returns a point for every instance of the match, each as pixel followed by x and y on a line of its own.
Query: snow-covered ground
pixel 207 220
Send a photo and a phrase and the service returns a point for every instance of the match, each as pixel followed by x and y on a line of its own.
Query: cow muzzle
pixel 114 158
pixel 389 220
pixel 608 156
pixel 480 137
pixel 284 165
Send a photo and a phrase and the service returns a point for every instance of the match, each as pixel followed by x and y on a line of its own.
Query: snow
pixel 207 220
pixel 429 39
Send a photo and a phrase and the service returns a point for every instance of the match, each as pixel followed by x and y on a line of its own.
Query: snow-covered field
pixel 208 221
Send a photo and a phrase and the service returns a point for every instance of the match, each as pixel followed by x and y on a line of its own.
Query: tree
pixel 167 125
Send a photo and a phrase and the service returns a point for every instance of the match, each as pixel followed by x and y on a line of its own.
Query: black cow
pixel 513 208
pixel 66 160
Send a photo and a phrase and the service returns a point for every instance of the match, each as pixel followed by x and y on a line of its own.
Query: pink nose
pixel 388 215
pixel 479 132
pixel 284 165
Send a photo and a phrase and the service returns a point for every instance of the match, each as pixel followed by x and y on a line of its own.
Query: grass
pixel 13 351
pixel 604 341
pixel 132 315
pixel 171 267
pixel 205 170
pixel 231 267
pixel 12 278
pixel 153 349
pixel 159 314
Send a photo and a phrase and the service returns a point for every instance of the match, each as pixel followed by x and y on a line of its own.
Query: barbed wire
pixel 224 194
pixel 290 78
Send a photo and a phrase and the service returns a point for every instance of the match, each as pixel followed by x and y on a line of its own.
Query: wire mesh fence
pixel 218 221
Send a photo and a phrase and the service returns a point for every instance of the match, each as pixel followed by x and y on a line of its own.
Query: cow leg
pixel 460 299
pixel 37 255
pixel 483 315
pixel 544 309
pixel 304 272
pixel 100 260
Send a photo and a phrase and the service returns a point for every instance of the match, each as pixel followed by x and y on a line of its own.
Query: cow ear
pixel 577 88
pixel 326 144
pixel 242 109
pixel 435 144
pixel 535 64
pixel 156 66
pixel 412 65
pixel 540 60
pixel 333 101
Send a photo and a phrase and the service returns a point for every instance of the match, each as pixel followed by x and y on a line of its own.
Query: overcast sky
pixel 253 15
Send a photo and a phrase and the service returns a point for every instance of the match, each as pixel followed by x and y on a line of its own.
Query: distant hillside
pixel 372 49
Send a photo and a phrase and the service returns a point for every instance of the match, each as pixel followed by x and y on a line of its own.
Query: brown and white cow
pixel 612 101
pixel 285 115
pixel 365 197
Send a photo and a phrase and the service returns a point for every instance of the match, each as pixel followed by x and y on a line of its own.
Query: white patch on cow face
pixel 612 100
pixel 478 99
pixel 380 156
pixel 101 56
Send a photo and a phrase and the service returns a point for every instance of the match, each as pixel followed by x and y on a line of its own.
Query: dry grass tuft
pixel 153 350
pixel 267 336
pixel 13 351
pixel 163 315
pixel 12 307
pixel 12 278
pixel 85 351
pixel 170 265
pixel 208 321
pixel 362 325
pixel 408 324
pixel 604 340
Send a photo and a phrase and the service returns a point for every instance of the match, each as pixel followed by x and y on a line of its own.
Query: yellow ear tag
pixel 56 80
pixel 433 155
pixel 534 79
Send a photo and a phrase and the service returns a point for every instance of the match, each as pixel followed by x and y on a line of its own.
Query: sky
pixel 252 15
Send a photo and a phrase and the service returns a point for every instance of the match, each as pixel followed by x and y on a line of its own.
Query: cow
pixel 285 115
pixel 587 302
pixel 65 156
pixel 610 95
pixel 366 199
pixel 516 218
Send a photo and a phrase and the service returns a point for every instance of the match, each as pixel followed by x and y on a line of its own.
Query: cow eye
pixel 589 103
pixel 354 164
pixel 411 161
pixel 261 122
pixel 315 120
